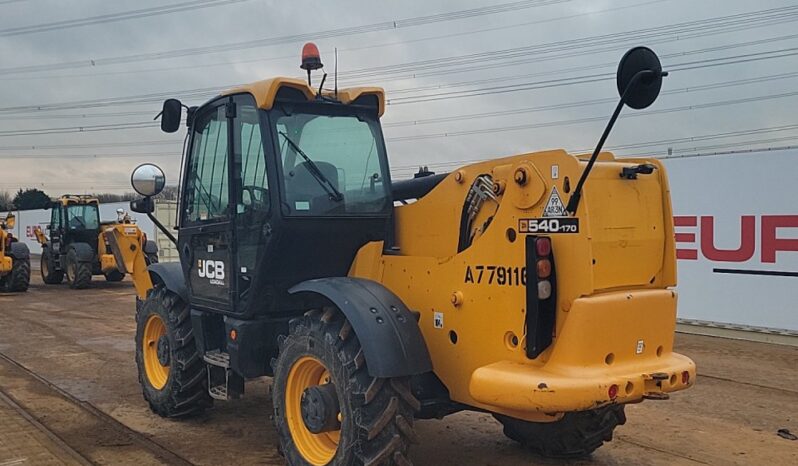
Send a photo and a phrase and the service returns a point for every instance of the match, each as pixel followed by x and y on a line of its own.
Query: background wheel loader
pixel 79 243
pixel 14 258
pixel 536 287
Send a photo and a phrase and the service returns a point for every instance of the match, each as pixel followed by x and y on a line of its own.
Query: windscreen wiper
pixel 314 170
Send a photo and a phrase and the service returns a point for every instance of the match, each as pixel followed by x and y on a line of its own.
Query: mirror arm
pixel 162 227
pixel 573 202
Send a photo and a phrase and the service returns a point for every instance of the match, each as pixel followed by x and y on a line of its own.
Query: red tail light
pixel 543 246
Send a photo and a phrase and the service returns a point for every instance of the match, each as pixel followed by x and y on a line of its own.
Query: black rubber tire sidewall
pixel 186 391
pixel 19 278
pixel 296 348
pixel 78 274
pixel 576 435
pixel 50 275
pixel 114 276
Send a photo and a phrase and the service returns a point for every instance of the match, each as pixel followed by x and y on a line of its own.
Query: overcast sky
pixel 463 82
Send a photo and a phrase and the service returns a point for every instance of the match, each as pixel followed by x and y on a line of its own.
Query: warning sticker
pixel 554 206
pixel 437 320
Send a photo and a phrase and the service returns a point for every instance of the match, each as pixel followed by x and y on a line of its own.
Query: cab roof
pixel 265 92
pixel 68 199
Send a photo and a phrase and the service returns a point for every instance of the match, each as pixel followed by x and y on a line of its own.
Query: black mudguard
pixel 388 332
pixel 84 252
pixel 19 251
pixel 170 274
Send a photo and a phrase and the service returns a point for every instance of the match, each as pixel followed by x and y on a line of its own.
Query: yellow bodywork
pixel 265 92
pixel 126 242
pixel 616 311
pixel 6 263
pixel 615 306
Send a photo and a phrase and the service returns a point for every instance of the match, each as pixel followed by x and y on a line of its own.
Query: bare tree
pixel 6 201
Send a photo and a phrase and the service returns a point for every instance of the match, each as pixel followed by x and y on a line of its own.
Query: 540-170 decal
pixel 549 225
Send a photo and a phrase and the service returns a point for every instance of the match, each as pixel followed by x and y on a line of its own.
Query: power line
pixel 586 103
pixel 207 91
pixel 18 148
pixel 114 17
pixel 560 123
pixel 656 143
pixel 340 32
pixel 483 115
pixel 503 27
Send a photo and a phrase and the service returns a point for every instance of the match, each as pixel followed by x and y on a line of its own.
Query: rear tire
pixel 376 414
pixel 114 276
pixel 50 275
pixel 78 274
pixel 180 387
pixel 19 278
pixel 576 435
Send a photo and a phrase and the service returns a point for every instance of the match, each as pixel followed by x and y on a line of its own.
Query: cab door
pixel 253 201
pixel 206 236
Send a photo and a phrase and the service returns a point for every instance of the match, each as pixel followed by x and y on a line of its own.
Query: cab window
pixel 83 217
pixel 206 178
pixel 331 164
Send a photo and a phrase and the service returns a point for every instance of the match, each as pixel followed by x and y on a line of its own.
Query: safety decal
pixel 548 225
pixel 437 320
pixel 554 206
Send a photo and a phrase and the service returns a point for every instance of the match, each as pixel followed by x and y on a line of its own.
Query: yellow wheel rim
pixel 317 449
pixel 157 373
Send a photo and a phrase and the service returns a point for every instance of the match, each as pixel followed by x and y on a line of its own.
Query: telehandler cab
pixel 80 245
pixel 303 261
pixel 14 258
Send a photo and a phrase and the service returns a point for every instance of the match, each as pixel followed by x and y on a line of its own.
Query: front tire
pixel 78 274
pixel 576 435
pixel 19 278
pixel 50 275
pixel 375 415
pixel 114 276
pixel 172 374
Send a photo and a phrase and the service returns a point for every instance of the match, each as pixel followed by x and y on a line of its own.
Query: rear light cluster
pixel 541 295
pixel 543 267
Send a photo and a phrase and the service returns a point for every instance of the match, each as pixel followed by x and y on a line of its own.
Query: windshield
pixel 331 164
pixel 83 217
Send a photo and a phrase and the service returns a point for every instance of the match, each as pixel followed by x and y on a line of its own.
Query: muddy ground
pixel 81 342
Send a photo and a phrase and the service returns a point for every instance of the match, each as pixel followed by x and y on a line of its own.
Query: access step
pixel 223 383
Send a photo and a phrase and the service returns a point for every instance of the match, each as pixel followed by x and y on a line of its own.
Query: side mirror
pixel 148 179
pixel 639 80
pixel 142 206
pixel 171 115
pixel 639 77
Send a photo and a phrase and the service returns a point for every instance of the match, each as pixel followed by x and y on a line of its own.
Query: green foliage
pixel 31 199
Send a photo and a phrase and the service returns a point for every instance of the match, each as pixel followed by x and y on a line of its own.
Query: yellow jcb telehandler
pixel 79 243
pixel 537 287
pixel 14 258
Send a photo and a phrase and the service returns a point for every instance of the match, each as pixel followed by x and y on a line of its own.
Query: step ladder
pixel 223 383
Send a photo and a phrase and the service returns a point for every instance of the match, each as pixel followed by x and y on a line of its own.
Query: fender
pixel 19 251
pixel 170 274
pixel 388 332
pixel 84 252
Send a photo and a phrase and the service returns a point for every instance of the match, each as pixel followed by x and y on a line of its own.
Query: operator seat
pixel 305 194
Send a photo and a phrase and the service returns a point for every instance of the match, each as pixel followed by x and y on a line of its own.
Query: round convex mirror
pixel 646 88
pixel 148 179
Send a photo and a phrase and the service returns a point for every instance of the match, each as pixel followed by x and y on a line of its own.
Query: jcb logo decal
pixel 212 270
